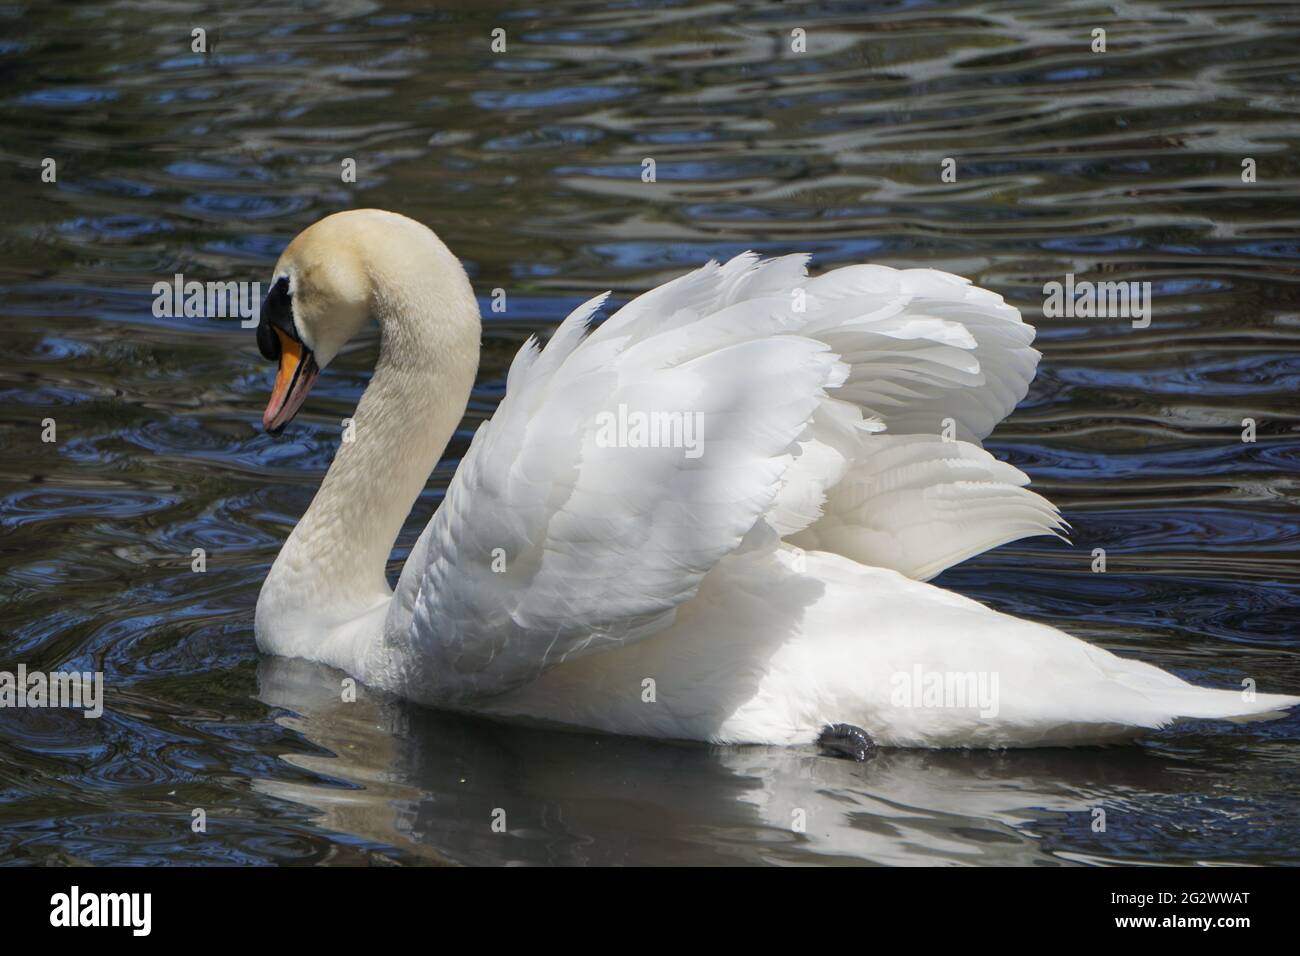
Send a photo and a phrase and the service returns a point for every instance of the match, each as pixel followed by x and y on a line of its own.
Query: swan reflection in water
pixel 429 782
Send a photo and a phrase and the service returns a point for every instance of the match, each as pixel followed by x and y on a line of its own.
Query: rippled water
pixel 1123 165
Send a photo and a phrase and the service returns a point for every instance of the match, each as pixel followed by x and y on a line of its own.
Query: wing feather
pixel 554 541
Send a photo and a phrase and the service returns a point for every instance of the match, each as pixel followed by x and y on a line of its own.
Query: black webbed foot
pixel 845 740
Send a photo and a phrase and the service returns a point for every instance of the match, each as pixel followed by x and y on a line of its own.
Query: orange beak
pixel 293 381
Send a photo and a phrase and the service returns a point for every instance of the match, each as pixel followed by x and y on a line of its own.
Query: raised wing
pixel 616 472
pixel 623 464
pixel 939 362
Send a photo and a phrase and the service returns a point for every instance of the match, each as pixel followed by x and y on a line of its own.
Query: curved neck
pixel 332 568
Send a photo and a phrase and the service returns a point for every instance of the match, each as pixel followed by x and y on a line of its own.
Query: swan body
pixel 709 518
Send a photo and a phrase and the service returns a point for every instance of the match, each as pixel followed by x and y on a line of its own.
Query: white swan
pixel 755 579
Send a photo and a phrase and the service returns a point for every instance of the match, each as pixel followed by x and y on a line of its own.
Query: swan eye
pixel 277 313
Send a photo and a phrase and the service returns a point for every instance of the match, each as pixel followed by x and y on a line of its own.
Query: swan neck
pixel 333 567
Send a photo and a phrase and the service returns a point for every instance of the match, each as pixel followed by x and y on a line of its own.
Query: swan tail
pixel 1174 699
pixel 1205 703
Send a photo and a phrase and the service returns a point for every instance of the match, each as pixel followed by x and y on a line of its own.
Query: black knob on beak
pixel 267 342
pixel 277 311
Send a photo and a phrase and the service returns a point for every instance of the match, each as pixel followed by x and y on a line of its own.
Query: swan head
pixel 330 281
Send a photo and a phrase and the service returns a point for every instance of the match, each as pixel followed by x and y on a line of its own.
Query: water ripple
pixel 1125 166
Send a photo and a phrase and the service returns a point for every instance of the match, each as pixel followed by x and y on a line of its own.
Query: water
pixel 1122 165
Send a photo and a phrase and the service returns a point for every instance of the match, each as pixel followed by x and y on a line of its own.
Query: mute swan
pixel 710 518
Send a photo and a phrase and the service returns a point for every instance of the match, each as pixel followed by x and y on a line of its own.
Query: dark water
pixel 1122 165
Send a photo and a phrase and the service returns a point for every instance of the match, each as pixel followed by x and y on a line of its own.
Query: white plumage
pixel 753 587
